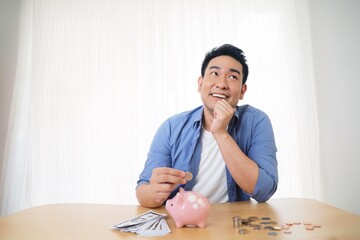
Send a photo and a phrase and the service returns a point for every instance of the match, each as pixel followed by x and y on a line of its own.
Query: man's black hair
pixel 226 50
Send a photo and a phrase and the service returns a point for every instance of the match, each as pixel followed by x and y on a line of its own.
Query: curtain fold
pixel 14 176
pixel 96 78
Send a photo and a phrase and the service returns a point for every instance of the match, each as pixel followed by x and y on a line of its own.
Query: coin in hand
pixel 188 176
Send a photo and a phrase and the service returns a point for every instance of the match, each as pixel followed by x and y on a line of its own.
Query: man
pixel 230 150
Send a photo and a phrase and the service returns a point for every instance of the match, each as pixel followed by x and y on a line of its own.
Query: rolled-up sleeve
pixel 263 150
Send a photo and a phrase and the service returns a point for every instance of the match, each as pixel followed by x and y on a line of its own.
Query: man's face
pixel 222 80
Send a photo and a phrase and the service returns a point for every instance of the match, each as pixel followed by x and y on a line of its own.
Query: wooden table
pixel 93 221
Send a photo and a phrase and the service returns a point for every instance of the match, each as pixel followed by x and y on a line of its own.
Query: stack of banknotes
pixel 149 223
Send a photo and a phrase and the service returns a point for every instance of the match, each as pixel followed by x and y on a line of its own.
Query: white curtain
pixel 96 78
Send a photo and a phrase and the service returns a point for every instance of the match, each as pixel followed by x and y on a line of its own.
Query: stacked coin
pixel 237 222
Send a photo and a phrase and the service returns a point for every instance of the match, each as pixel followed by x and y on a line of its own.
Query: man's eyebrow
pixel 235 70
pixel 231 69
pixel 216 67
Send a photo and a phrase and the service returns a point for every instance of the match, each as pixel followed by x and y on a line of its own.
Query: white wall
pixel 9 20
pixel 335 29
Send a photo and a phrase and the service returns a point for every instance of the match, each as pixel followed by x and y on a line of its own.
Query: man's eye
pixel 233 76
pixel 214 73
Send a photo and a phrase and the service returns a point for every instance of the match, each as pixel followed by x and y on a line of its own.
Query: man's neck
pixel 207 120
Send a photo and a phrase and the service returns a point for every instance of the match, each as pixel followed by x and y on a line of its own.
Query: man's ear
pixel 243 90
pixel 200 81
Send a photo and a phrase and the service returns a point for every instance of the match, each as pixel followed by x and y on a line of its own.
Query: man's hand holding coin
pixel 163 181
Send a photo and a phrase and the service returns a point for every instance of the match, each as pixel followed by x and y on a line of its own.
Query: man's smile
pixel 219 95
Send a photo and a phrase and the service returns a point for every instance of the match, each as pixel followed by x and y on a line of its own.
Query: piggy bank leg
pixel 202 224
pixel 179 225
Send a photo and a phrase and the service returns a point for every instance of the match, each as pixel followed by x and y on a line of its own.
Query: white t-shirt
pixel 211 178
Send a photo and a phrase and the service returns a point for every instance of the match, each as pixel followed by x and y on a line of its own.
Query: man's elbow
pixel 266 194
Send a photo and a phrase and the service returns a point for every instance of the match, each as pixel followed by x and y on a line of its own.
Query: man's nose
pixel 222 82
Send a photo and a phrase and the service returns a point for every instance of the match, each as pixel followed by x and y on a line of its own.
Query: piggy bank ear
pixel 181 190
pixel 180 197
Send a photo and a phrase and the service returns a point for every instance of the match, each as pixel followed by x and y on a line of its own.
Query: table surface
pixel 94 221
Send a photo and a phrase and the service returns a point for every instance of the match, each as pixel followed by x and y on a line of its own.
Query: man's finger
pixel 170 171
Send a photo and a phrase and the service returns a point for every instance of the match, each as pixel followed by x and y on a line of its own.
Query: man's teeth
pixel 219 95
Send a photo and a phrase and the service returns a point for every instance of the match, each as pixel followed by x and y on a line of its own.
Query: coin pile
pixel 308 226
pixel 245 225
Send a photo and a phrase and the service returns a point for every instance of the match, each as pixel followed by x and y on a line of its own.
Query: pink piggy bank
pixel 188 208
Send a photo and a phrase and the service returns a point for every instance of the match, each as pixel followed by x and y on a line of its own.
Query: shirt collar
pixel 236 114
pixel 198 117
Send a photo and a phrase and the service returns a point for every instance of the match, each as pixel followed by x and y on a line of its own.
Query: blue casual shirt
pixel 177 144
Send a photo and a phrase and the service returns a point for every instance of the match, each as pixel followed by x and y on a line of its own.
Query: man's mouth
pixel 218 95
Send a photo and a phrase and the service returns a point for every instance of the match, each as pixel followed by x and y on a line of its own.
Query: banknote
pixel 149 223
